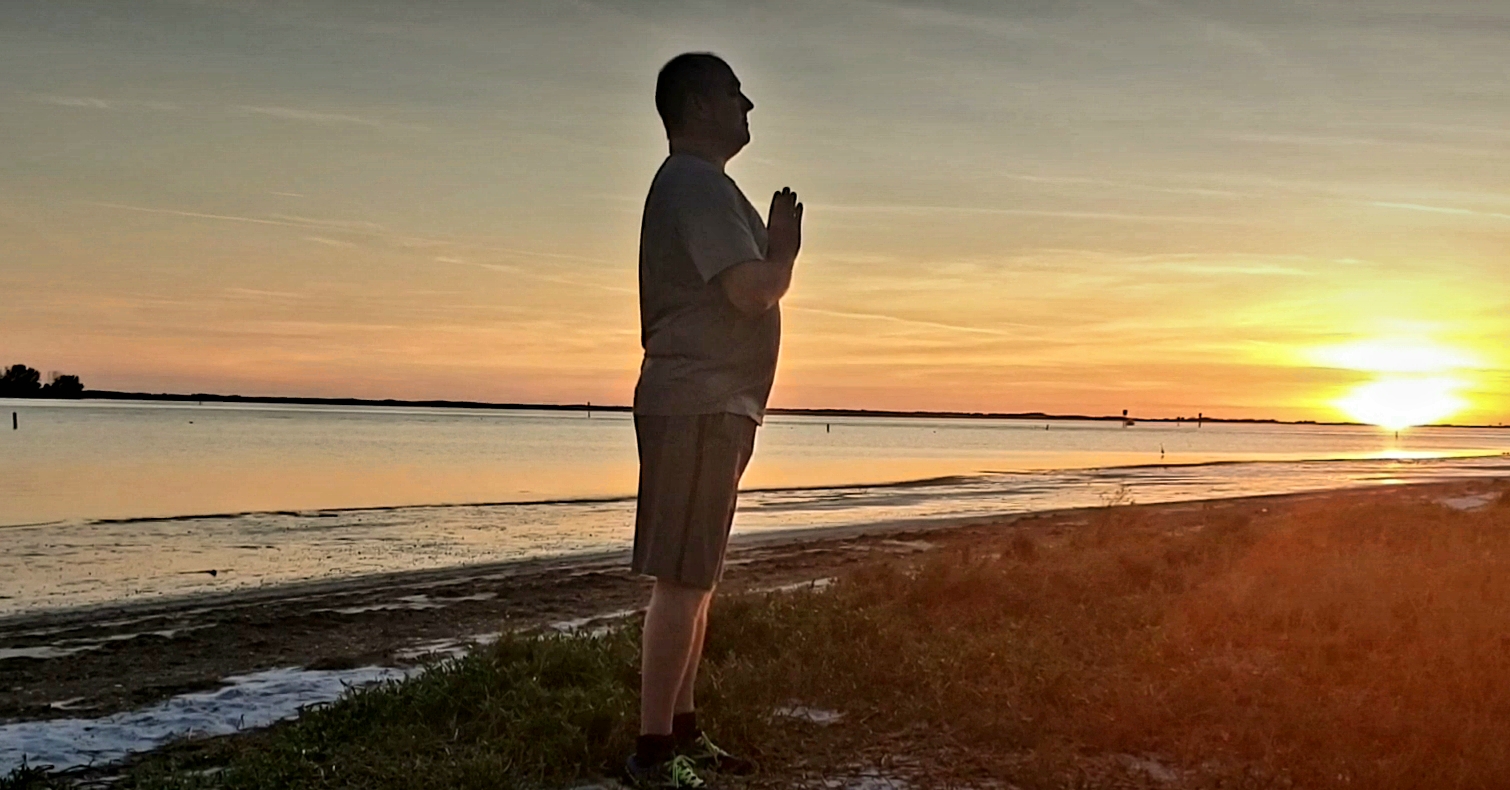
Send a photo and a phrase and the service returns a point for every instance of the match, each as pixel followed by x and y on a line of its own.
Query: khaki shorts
pixel 689 480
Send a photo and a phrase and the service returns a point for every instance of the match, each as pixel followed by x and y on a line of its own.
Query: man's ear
pixel 696 108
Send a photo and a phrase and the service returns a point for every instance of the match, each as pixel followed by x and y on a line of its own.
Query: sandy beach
pixel 96 661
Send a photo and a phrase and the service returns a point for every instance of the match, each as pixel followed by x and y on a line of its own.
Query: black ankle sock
pixel 684 726
pixel 654 749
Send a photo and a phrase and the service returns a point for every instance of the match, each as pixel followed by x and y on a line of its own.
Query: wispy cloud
pixel 533 274
pixel 1219 33
pixel 1459 129
pixel 272 111
pixel 280 220
pixel 258 293
pixel 991 25
pixel 1338 141
pixel 867 316
pixel 1129 185
pixel 194 214
pixel 1110 216
pixel 93 103
pixel 355 225
pixel 1250 270
pixel 292 114
pixel 329 242
pixel 1305 139
pixel 320 117
pixel 1460 212
pixel 361 228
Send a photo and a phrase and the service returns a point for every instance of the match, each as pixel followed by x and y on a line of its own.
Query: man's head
pixel 699 100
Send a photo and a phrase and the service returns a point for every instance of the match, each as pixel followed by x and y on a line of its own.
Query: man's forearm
pixel 778 278
pixel 755 286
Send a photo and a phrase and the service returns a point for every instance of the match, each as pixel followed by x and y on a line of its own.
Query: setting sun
pixel 1417 381
pixel 1395 403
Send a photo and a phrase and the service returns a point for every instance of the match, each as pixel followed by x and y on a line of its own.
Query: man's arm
pixel 755 286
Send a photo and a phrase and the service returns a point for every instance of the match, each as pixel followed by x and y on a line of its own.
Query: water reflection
pixel 328 492
pixel 86 460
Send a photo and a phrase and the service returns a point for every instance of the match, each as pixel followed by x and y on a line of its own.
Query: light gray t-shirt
pixel 702 355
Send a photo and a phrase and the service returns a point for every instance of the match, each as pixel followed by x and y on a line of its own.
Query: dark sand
pixel 144 653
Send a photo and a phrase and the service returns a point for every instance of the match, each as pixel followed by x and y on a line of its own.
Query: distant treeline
pixel 20 381
pixel 205 397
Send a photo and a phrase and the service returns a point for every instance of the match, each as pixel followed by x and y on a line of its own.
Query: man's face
pixel 726 111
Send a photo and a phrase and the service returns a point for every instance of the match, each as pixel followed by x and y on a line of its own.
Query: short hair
pixel 686 75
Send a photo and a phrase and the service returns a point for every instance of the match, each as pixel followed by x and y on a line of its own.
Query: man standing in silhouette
pixel 711 275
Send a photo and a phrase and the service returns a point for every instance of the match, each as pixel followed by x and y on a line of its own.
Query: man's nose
pixel 749 105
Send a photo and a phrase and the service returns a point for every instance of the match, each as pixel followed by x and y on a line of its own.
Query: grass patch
pixel 1321 646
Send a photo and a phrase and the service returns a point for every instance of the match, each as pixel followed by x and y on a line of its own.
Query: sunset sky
pixel 1242 209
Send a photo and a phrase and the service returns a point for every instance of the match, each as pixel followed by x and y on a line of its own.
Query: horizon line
pixel 588 406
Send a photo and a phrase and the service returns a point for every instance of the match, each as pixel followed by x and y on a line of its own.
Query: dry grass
pixel 1367 647
pixel 1358 646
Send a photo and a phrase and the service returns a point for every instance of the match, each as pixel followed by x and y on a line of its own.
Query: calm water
pixel 119 500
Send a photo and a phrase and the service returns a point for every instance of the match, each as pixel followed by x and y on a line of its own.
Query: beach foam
pixel 246 702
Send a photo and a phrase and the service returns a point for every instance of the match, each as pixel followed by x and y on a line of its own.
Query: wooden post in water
pixel 13 423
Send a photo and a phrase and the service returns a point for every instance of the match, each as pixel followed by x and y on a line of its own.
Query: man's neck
pixel 705 150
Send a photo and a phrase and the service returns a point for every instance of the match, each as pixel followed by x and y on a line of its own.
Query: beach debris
pixel 1469 503
pixel 68 647
pixel 45 651
pixel 594 625
pixel 435 648
pixel 412 602
pixel 445 649
pixel 1149 766
pixel 810 584
pixel 865 778
pixel 820 716
pixel 907 546
pixel 72 703
pixel 245 702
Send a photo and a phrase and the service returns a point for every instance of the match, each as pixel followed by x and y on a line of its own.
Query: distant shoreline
pixel 590 407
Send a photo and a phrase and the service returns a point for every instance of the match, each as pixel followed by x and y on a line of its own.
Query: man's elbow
pixel 750 294
pixel 751 303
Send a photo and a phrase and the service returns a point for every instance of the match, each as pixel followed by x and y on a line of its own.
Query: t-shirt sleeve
pixel 711 221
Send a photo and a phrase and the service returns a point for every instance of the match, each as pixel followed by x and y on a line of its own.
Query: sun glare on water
pixel 1414 385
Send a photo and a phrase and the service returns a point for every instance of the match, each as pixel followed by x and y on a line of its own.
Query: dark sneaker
pixel 676 773
pixel 707 755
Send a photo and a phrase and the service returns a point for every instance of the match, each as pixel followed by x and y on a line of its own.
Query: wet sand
pixel 101 660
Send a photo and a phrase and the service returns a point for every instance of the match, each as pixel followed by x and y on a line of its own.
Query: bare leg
pixel 671 631
pixel 684 701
